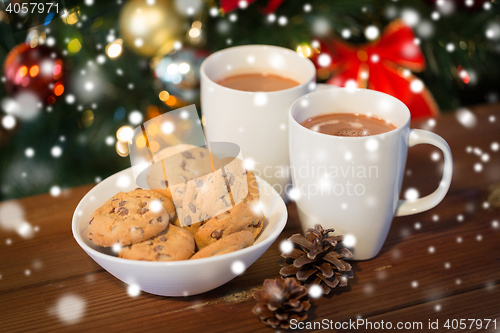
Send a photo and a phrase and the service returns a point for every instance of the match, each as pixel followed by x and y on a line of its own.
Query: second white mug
pixel 352 184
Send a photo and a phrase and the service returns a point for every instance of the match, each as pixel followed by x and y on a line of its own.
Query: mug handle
pixel 408 207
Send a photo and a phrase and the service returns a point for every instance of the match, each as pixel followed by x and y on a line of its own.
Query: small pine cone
pixel 316 261
pixel 280 302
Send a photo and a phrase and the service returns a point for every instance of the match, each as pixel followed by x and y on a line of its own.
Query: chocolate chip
pixel 144 211
pixel 162 239
pixel 144 204
pixel 150 221
pixel 187 220
pixel 183 164
pixel 217 234
pixel 199 183
pixel 159 219
pixel 112 211
pixel 158 248
pixel 195 196
pixel 122 203
pixel 255 225
pixel 164 183
pixel 192 207
pixel 114 199
pixel 137 196
pixel 147 196
pixel 187 154
pixel 122 211
pixel 90 233
pixel 90 222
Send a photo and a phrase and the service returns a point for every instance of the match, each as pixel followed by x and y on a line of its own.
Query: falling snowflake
pixel 55 191
pixel 135 117
pixel 372 32
pixel 8 122
pixel 56 151
pixel 155 206
pixel 69 309
pixel 410 17
pixel 133 290
pixel 29 152
pixel 110 140
pixel 286 246
pixel 238 267
pixel 123 181
pixel 349 240
pixel 315 291
pixel 249 163
pixel 466 118
pixel 411 194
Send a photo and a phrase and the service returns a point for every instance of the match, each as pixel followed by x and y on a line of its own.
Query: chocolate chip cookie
pixel 246 216
pixel 178 164
pixel 236 241
pixel 131 217
pixel 171 245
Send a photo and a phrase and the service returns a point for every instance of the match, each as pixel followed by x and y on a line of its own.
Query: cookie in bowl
pixel 130 217
pixel 234 242
pixel 246 216
pixel 170 245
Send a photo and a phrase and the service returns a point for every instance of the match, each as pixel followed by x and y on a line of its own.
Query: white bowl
pixel 175 278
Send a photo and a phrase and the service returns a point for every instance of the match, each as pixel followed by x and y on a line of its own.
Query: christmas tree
pixel 115 64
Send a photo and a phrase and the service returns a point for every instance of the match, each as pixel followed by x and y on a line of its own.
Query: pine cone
pixel 315 260
pixel 280 302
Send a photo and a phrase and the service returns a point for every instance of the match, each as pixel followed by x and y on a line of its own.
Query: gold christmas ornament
pixel 151 28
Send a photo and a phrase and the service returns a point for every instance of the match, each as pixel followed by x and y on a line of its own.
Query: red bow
pixel 229 5
pixel 383 66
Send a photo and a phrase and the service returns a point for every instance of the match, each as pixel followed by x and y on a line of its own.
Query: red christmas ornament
pixel 39 70
pixel 383 65
pixel 229 5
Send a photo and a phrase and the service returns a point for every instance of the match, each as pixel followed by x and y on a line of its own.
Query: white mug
pixel 352 184
pixel 255 121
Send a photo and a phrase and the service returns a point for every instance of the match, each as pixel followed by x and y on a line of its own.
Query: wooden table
pixel 50 274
